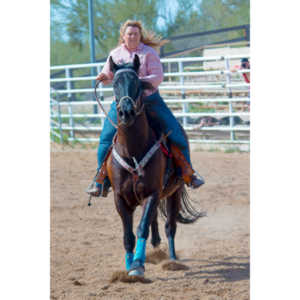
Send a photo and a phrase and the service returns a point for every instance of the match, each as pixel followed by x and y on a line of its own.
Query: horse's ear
pixel 136 63
pixel 112 65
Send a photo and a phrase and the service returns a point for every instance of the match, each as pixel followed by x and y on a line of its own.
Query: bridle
pixel 138 108
pixel 137 171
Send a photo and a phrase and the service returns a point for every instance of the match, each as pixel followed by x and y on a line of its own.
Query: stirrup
pixel 97 191
pixel 93 189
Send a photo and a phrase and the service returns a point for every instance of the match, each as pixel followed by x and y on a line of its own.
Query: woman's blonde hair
pixel 147 37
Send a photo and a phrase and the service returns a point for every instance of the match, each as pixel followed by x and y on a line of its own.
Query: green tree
pixel 220 14
pixel 70 30
pixel 207 15
pixel 107 19
pixel 61 53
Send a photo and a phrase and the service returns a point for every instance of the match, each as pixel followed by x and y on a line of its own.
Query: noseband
pixel 126 97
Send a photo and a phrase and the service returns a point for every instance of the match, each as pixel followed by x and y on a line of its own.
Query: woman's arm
pixel 105 76
pixel 154 69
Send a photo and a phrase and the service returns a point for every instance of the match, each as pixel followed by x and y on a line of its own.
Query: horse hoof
pixel 137 272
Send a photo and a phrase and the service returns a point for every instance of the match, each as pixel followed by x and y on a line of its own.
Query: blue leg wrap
pixel 98 184
pixel 171 248
pixel 140 250
pixel 128 260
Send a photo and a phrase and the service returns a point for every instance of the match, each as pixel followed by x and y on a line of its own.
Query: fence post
pixel 169 71
pixel 52 103
pixel 69 95
pixel 59 122
pixel 229 93
pixel 73 96
pixel 184 105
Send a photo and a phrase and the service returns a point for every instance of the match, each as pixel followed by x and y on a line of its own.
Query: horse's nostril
pixel 121 113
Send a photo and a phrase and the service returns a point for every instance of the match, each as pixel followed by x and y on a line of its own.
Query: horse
pixel 136 168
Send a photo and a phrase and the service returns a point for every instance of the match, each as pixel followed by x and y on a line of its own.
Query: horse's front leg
pixel 126 214
pixel 149 212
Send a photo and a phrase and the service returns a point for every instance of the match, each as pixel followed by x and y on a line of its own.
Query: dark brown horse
pixel 136 168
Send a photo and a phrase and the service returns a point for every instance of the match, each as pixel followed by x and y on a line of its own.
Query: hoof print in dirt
pixel 122 276
pixel 78 283
pixel 174 266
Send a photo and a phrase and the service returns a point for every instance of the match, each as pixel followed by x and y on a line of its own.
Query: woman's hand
pixel 102 77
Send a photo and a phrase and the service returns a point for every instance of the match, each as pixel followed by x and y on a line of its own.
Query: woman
pixel 134 39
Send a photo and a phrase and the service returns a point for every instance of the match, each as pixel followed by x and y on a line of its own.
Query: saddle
pixel 101 175
pixel 176 162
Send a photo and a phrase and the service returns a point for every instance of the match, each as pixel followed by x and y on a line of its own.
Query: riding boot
pixel 187 173
pixel 99 189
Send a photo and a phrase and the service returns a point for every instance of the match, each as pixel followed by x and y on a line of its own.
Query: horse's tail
pixel 187 213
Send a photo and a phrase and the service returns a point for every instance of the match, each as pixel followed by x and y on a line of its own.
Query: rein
pixel 110 120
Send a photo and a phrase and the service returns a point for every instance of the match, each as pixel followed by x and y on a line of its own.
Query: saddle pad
pixel 165 150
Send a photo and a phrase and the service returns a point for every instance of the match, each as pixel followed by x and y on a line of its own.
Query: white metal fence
pixel 212 105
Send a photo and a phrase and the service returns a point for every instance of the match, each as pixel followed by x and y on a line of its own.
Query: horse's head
pixel 128 90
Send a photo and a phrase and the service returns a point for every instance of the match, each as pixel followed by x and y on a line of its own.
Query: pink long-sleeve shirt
pixel 150 70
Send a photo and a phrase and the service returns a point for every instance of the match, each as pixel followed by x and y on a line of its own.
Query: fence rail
pixel 73 114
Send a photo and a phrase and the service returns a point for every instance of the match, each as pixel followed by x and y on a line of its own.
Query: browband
pixel 125 70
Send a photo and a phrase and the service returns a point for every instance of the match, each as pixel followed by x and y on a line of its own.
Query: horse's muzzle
pixel 127 113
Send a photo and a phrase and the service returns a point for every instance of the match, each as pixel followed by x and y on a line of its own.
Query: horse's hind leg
pixel 155 240
pixel 173 206
pixel 126 215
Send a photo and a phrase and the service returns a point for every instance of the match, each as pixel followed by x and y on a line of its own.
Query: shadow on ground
pixel 227 270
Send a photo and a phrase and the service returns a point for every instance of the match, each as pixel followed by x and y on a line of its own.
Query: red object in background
pixel 246 77
pixel 245 65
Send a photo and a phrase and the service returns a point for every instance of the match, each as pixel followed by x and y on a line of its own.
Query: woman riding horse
pixel 134 39
pixel 153 183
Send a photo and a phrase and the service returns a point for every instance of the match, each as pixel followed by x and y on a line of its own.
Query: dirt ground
pixel 87 242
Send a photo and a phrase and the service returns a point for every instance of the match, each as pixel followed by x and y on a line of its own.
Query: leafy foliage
pixel 70 27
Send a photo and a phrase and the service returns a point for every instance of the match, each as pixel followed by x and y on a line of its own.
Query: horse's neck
pixel 136 139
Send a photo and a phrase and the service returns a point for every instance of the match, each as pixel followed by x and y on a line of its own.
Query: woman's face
pixel 132 37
